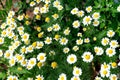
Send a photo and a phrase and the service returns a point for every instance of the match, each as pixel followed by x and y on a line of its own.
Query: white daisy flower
pixel 87 20
pixel 41 57
pixel 105 66
pixel 75 48
pixel 89 9
pixel 63 41
pixel 104 73
pixel 79 41
pixel 36 10
pixel 62 76
pixel 96 23
pixel 114 44
pixel 77 71
pixel 56 27
pixel 32 62
pixel 48 40
pixel 74 11
pixel 105 41
pixel 75 78
pixel 76 24
pixel 110 33
pixel 113 77
pixel 98 78
pixel 96 15
pixel 71 59
pixel 80 13
pixel 39 77
pixel 87 57
pixel 66 50
pixel 110 52
pixel 98 50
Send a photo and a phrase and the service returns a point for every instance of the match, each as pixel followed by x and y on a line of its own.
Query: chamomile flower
pixel 114 44
pixel 66 31
pixel 110 33
pixel 104 73
pixel 39 77
pixel 87 57
pixel 4 33
pixel 60 7
pixel 3 26
pixel 41 57
pixel 43 10
pixel 75 78
pixel 86 40
pixel 89 9
pixel 32 62
pixel 71 59
pixel 74 11
pixel 105 41
pixel 118 8
pixel 96 15
pixel 87 20
pixel 57 37
pixel 76 24
pixel 1 40
pixel 11 13
pixel 79 41
pixel 63 41
pixel 38 1
pixel 77 71
pixel 12 61
pixel 80 13
pixel 79 34
pixel 54 65
pixel 98 50
pixel 75 48
pixel 96 23
pixel 56 27
pixel 110 52
pixel 48 40
pixel 36 10
pixel 66 50
pixel 15 78
pixel 113 77
pixel 62 76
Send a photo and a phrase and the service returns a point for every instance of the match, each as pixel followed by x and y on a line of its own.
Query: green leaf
pixel 8 4
pixel 2 75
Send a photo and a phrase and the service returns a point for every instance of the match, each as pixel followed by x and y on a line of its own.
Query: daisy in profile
pixel 80 13
pixel 76 24
pixel 110 52
pixel 98 50
pixel 87 20
pixel 96 15
pixel 110 33
pixel 105 41
pixel 113 77
pixel 87 57
pixel 41 57
pixel 113 64
pixel 104 73
pixel 75 78
pixel 74 11
pixel 62 76
pixel 48 40
pixel 114 44
pixel 77 71
pixel 66 50
pixel 63 41
pixel 39 77
pixel 71 59
pixel 89 9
